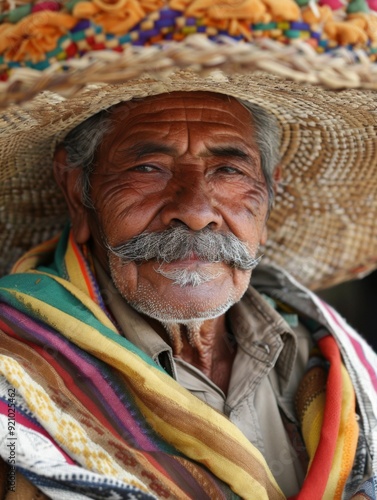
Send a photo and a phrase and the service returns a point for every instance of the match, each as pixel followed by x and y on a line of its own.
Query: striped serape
pixel 97 418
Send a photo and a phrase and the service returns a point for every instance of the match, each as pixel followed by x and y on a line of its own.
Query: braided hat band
pixel 285 55
pixel 63 45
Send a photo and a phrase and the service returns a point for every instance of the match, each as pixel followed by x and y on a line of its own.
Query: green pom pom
pixel 16 15
pixel 70 4
pixel 302 3
pixel 358 6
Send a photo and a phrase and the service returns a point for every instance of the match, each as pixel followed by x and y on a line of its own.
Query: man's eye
pixel 229 170
pixel 145 168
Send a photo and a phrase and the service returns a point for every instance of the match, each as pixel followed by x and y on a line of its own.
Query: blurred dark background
pixel 356 301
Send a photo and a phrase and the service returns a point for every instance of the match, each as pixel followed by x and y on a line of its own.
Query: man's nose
pixel 193 205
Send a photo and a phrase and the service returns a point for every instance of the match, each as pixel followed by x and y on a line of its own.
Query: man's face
pixel 180 159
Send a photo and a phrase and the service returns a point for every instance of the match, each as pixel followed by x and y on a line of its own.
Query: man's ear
pixel 68 181
pixel 263 238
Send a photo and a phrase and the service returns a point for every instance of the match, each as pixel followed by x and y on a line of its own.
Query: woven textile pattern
pixel 133 423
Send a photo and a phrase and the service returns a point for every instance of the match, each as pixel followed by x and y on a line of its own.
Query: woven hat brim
pixel 323 226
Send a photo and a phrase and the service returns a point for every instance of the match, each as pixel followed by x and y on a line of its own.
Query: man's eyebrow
pixel 230 151
pixel 142 149
pixel 146 148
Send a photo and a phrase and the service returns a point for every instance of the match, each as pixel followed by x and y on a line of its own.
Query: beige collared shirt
pixel 269 364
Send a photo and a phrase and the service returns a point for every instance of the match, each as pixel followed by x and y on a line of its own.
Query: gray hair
pixel 267 138
pixel 83 142
pixel 81 145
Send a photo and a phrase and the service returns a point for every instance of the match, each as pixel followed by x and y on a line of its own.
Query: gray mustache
pixel 178 243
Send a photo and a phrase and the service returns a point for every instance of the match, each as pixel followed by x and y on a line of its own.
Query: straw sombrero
pixel 311 64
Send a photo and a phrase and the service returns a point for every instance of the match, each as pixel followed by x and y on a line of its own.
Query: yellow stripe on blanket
pixel 260 487
pixel 82 297
pixel 154 382
pixel 70 435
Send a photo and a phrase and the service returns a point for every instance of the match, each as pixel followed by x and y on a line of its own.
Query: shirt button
pixel 262 345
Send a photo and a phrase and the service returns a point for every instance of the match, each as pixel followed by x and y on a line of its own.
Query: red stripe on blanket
pixel 68 380
pixel 357 346
pixel 23 420
pixel 316 480
pixel 83 268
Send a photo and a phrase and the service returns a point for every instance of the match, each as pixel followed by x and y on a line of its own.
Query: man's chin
pixel 160 298
pixel 186 313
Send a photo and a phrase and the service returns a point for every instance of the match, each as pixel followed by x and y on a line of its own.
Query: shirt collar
pixel 263 333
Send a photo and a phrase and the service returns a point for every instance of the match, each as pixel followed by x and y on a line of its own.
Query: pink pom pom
pixel 48 5
pixel 333 4
pixel 372 4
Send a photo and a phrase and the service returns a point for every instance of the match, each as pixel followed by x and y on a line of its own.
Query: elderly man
pixel 178 208
pixel 143 352
pixel 168 198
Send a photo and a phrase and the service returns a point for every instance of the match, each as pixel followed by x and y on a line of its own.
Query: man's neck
pixel 216 351
pixel 204 345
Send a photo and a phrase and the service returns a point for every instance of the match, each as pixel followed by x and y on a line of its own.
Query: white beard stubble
pixel 172 317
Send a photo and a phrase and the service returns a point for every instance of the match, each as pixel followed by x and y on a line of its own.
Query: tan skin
pixel 176 174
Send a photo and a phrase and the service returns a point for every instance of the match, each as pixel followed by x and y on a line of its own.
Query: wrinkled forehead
pixel 180 120
pixel 193 106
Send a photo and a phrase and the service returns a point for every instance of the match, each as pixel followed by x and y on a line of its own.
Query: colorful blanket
pixel 96 417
